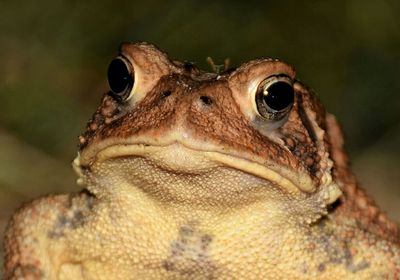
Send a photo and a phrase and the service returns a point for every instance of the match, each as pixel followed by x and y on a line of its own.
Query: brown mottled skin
pixel 184 178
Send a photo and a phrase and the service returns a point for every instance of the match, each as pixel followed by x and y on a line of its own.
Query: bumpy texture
pixel 183 178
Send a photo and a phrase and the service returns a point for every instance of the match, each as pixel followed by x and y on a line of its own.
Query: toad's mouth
pixel 179 157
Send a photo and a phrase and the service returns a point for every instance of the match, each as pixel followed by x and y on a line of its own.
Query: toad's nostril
pixel 206 100
pixel 166 93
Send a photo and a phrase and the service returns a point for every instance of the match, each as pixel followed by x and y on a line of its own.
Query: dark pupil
pixel 119 77
pixel 280 95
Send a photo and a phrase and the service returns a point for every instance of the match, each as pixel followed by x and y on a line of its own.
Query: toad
pixel 187 174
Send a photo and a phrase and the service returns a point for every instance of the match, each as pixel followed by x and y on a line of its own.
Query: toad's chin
pixel 178 158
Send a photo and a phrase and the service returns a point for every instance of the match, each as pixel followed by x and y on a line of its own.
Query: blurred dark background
pixel 54 55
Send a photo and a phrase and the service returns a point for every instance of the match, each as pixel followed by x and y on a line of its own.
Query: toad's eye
pixel 120 77
pixel 275 97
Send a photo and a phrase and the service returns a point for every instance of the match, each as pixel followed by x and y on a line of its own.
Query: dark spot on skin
pixel 189 254
pixel 185 231
pixel 321 267
pixel 205 241
pixel 338 252
pixel 66 222
pixel 73 215
pixel 350 265
pixel 78 218
pixel 206 100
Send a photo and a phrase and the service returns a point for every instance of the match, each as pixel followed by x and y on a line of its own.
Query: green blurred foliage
pixel 54 56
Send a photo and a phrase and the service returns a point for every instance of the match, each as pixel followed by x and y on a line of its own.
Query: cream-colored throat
pixel 189 184
pixel 207 185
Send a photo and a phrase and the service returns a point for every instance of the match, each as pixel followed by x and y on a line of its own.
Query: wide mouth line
pixel 230 160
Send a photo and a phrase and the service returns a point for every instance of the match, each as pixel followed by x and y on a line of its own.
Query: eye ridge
pixel 275 97
pixel 120 77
